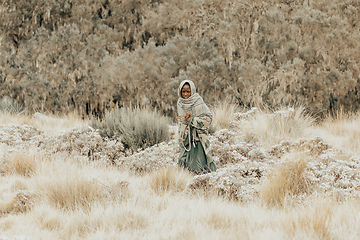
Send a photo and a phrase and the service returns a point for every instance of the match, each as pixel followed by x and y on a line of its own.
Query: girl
pixel 195 119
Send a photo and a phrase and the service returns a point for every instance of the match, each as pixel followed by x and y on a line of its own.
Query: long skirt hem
pixel 195 160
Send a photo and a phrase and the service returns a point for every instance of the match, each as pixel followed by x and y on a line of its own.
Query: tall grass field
pixel 289 177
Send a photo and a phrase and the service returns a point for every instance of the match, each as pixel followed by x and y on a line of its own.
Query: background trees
pixel 90 55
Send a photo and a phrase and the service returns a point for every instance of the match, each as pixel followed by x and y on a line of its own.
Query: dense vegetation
pixel 89 55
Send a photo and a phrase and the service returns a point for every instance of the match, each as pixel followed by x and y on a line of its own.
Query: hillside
pixel 279 177
pixel 89 55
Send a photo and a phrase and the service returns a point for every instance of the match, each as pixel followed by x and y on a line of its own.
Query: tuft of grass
pixel 271 127
pixel 341 130
pixel 223 114
pixel 314 219
pixel 135 127
pixel 169 179
pixel 11 106
pixel 21 164
pixel 73 193
pixel 23 119
pixel 288 180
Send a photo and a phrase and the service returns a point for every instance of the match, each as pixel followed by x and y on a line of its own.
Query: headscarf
pixel 190 104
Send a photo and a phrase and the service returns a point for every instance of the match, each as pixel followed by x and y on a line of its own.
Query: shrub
pixel 135 127
pixel 87 55
pixel 11 106
pixel 20 203
pixel 84 142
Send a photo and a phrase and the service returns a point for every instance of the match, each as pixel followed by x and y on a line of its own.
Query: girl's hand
pixel 187 117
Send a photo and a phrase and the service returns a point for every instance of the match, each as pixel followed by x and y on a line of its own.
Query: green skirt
pixel 195 160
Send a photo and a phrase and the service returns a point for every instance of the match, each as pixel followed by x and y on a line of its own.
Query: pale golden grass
pixel 20 202
pixel 73 192
pixel 73 199
pixel 49 124
pixel 21 164
pixel 271 127
pixel 22 119
pixel 52 125
pixel 169 179
pixel 223 112
pixel 287 180
pixel 315 219
pixel 70 184
pixel 341 130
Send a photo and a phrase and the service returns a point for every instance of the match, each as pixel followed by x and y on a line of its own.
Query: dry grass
pixel 315 219
pixel 271 127
pixel 21 164
pixel 56 124
pixel 288 180
pixel 23 119
pixel 169 180
pixel 73 192
pixel 342 131
pixel 223 114
pixel 61 196
pixel 20 202
pixel 47 123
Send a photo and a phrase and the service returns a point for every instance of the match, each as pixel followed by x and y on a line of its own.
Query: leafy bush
pixel 135 127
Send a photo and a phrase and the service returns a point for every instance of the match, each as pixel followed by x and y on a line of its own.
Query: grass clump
pixel 288 180
pixel 11 106
pixel 223 114
pixel 135 127
pixel 21 164
pixel 169 180
pixel 73 192
pixel 272 127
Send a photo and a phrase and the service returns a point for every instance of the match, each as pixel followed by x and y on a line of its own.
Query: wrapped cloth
pixel 195 153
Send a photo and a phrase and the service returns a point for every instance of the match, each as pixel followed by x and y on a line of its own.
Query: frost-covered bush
pixel 152 158
pixel 236 182
pixel 22 202
pixel 86 142
pixel 19 137
pixel 134 127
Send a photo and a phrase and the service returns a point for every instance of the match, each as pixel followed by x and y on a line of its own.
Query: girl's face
pixel 186 91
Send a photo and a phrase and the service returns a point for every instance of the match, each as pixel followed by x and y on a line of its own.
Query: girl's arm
pixel 202 121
